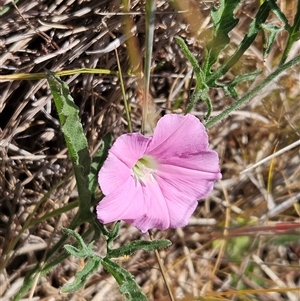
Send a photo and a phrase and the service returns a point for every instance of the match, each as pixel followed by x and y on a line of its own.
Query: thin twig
pixel 161 267
pixel 124 94
pixel 285 149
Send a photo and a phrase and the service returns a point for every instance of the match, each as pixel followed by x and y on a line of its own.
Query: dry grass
pixel 242 243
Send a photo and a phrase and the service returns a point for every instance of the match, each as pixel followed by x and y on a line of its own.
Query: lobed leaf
pixel 81 277
pixel 273 30
pixel 86 250
pixel 75 251
pixel 127 284
pixel 201 90
pixel 230 87
pixel 224 21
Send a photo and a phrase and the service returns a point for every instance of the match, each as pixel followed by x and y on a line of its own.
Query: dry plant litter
pixel 243 242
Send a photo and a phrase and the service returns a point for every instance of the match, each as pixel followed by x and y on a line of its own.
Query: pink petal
pixel 157 214
pixel 128 148
pixel 186 172
pixel 125 203
pixel 182 188
pixel 122 156
pixel 205 160
pixel 177 135
pixel 112 174
pixel 195 184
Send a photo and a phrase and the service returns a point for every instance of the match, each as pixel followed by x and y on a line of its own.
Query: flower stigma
pixel 144 169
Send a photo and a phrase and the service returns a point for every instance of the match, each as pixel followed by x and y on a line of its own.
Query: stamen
pixel 144 169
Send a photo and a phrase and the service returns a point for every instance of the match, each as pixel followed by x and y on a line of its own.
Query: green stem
pixel 293 35
pixel 253 92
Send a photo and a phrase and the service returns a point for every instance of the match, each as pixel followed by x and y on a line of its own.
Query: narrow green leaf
pixel 230 87
pixel 206 64
pixel 75 251
pixel 134 246
pixel 231 91
pixel 68 114
pixel 245 77
pixel 273 30
pixel 81 277
pixel 191 58
pixel 76 141
pixel 85 249
pixel 127 284
pixel 201 90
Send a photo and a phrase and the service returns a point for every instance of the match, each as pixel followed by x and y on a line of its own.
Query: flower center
pixel 144 169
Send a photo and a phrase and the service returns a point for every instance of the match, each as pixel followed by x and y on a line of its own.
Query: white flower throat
pixel 144 169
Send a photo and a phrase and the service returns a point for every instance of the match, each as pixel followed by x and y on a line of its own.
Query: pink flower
pixel 156 182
